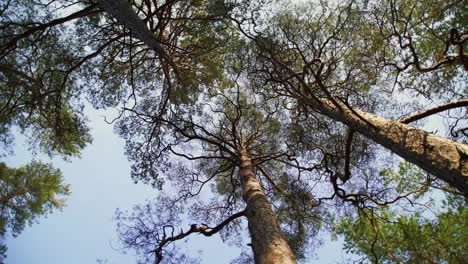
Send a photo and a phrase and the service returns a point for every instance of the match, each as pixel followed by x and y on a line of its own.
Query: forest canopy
pixel 278 119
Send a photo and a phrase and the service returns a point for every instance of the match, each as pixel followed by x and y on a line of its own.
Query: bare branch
pixel 203 229
pixel 435 110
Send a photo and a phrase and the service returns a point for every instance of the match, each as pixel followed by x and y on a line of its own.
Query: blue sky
pixel 84 231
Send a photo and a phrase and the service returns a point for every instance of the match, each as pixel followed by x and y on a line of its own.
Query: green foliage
pixel 407 178
pixel 193 33
pixel 225 93
pixel 38 91
pixel 67 135
pixel 389 235
pixel 300 218
pixel 28 193
pixel 386 237
pixel 407 36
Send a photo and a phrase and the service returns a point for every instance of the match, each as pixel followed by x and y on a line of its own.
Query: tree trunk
pixel 122 11
pixel 440 156
pixel 268 243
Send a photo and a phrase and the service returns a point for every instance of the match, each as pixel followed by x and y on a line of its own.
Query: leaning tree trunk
pixel 440 156
pixel 122 11
pixel 268 243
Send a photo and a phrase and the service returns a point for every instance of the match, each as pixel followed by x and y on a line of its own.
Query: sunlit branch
pixel 435 110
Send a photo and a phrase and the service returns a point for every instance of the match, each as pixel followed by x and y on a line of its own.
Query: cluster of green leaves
pixel 385 237
pixel 27 193
pixel 39 96
pixel 37 92
pixel 329 46
pixel 435 233
pixel 408 177
pixel 226 91
pixel 193 33
pixel 405 38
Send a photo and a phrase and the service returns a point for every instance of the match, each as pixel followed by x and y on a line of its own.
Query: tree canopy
pixel 264 110
pixel 384 235
pixel 26 194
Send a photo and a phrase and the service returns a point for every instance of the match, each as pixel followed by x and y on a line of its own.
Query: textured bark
pixel 440 156
pixel 123 12
pixel 268 243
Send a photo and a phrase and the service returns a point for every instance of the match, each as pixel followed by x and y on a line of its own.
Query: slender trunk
pixel 440 156
pixel 268 243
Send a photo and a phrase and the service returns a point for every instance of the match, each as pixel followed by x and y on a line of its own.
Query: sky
pixel 84 231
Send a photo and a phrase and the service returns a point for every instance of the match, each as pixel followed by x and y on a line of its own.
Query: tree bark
pixel 123 12
pixel 440 156
pixel 268 243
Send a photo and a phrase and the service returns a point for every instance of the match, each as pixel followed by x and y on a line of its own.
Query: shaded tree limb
pixel 270 179
pixel 122 11
pixel 349 141
pixel 84 12
pixel 358 199
pixel 194 229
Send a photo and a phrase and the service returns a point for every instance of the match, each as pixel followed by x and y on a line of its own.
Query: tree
pixel 124 13
pixel 173 65
pixel 327 70
pixel 238 140
pixel 34 93
pixel 26 194
pixel 386 236
pixel 43 68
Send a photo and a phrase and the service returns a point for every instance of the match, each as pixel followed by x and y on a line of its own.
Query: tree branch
pixel 195 229
pixel 85 12
pixel 123 12
pixel 349 141
pixel 435 110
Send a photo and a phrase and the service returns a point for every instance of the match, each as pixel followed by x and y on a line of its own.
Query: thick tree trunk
pixel 440 156
pixel 268 243
pixel 123 12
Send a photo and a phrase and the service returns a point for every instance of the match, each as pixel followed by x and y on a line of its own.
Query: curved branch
pixel 218 228
pixel 195 229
